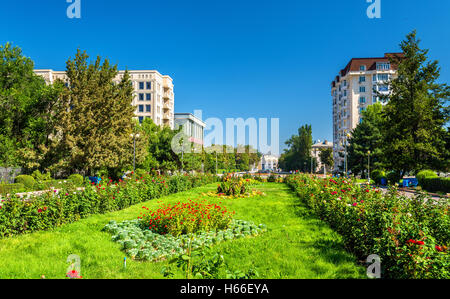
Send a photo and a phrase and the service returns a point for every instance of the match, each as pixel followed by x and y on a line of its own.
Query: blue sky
pixel 235 58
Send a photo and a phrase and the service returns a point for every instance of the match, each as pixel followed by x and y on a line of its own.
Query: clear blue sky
pixel 234 58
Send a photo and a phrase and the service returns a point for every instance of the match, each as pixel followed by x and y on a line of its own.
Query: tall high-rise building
pixel 153 93
pixel 352 91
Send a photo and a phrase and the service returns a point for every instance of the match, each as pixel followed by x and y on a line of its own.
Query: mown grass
pixel 296 245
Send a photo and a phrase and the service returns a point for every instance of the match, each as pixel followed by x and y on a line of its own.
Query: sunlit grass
pixel 296 245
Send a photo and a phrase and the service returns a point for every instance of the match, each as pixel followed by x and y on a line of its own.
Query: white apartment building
pixel 153 94
pixel 352 91
pixel 192 127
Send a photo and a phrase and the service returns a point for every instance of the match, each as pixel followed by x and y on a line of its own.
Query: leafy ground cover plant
pixel 141 243
pixel 411 236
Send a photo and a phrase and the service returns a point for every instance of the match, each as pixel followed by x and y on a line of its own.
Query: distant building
pixel 192 127
pixel 315 152
pixel 153 94
pixel 268 162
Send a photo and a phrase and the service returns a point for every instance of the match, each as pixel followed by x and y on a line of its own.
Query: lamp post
pixel 216 161
pixel 368 167
pixel 134 136
pixel 346 161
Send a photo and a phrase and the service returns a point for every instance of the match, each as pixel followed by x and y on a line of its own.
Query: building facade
pixel 192 127
pixel 153 94
pixel 352 91
pixel 315 153
pixel 268 162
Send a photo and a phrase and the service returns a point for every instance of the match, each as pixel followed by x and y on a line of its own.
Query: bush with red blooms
pixel 187 217
pixel 55 208
pixel 411 235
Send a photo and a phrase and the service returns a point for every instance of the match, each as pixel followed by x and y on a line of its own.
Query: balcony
pixel 167 83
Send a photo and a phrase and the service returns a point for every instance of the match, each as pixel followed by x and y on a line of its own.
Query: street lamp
pixel 346 162
pixel 134 136
pixel 368 166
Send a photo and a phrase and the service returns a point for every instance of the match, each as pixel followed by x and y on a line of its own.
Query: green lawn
pixel 296 245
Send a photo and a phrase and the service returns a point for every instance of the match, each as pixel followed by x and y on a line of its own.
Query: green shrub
pixel 272 178
pixel 141 173
pixel 77 179
pixel 27 180
pixel 393 177
pixel 377 175
pixel 39 177
pixel 11 188
pixel 436 184
pixel 425 174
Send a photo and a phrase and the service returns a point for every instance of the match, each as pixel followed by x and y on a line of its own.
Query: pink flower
pixel 355 204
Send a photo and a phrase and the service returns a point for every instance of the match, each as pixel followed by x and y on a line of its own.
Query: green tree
pixel 414 117
pixel 326 157
pixel 26 116
pixel 95 118
pixel 366 137
pixel 298 154
pixel 159 149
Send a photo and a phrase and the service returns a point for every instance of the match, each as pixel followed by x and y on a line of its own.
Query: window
pixel 141 97
pixel 362 79
pixel 383 88
pixel 361 120
pixel 148 96
pixel 345 82
pixel 148 108
pixel 362 68
pixel 362 89
pixel 375 99
pixel 141 108
pixel 362 109
pixel 141 85
pixel 362 100
pixel 383 66
pixel 383 77
pixel 345 93
pixel 149 85
pixel 141 119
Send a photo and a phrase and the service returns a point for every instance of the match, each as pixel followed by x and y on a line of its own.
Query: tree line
pixel 84 125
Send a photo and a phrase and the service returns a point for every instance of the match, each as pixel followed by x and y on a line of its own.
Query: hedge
pixel 436 184
pixel 77 179
pixel 53 209
pixel 425 174
pixel 11 188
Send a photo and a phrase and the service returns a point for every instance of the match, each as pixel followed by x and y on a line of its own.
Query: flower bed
pixel 411 236
pixel 235 187
pixel 185 218
pixel 53 209
pixel 142 243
